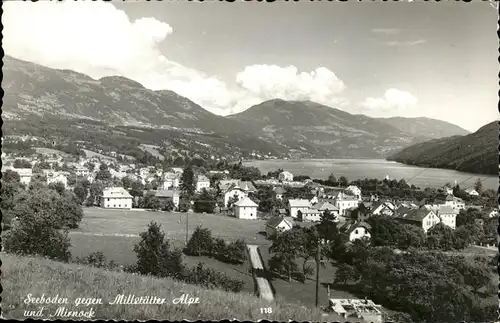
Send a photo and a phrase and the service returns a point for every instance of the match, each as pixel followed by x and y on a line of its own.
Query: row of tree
pixel 202 243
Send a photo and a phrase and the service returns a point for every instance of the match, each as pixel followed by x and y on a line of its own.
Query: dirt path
pixel 265 290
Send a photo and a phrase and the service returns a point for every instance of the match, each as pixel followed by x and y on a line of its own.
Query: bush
pixel 97 259
pixel 200 243
pixel 212 279
pixel 154 256
pixel 36 234
pixel 235 252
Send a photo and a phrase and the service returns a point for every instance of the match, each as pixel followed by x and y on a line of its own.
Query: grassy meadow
pixel 24 275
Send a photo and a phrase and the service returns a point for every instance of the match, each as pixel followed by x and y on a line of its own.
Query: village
pixel 283 201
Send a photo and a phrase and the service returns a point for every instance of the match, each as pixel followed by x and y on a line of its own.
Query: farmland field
pixel 115 232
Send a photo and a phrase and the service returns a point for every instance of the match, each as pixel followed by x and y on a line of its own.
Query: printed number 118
pixel 266 310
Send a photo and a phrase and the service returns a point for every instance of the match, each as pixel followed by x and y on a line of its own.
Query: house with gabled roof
pixel 353 230
pixel 245 209
pixel 116 198
pixel 448 215
pixel 295 205
pixel 309 215
pixel 202 182
pixel 422 218
pixel 279 191
pixel 278 224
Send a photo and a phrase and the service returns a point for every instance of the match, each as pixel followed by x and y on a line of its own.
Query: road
pixel 265 290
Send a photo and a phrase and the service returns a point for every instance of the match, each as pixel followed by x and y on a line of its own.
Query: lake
pixel 375 168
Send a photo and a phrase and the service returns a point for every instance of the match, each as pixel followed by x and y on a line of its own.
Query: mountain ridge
pixel 302 129
pixel 474 153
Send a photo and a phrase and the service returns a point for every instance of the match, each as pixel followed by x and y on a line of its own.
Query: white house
pixel 325 205
pixel 354 190
pixel 448 215
pixel 116 198
pixel 422 217
pixel 82 171
pixel 344 202
pixel 171 180
pixel 356 230
pixel 25 174
pixel 298 205
pixel 54 177
pixel 383 208
pixel 309 215
pixel 202 182
pixel 279 191
pixel 234 191
pixel 245 209
pixel 455 202
pixel 278 224
pixel 285 176
pixel 471 192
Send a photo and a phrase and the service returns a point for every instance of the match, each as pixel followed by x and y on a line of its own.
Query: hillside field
pixel 24 275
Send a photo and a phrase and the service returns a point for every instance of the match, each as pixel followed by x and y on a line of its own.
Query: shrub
pixel 200 242
pixel 154 256
pixel 97 259
pixel 212 279
pixel 236 252
pixel 36 234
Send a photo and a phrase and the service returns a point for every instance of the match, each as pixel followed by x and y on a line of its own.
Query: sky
pixel 382 59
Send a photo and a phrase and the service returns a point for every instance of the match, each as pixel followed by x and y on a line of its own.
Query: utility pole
pixel 318 253
pixel 187 226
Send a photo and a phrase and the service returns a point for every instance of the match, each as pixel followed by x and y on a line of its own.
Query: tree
pixel 184 204
pixel 22 163
pixel 136 189
pixel 204 202
pixel 95 193
pixel 343 181
pixel 333 180
pixel 478 186
pixel 345 273
pixel 80 192
pixel 9 191
pixel 103 174
pixel 285 250
pixel 58 187
pixel 327 227
pixel 235 251
pixel 308 246
pixel 200 242
pixel 10 176
pixel 154 256
pixel 169 205
pixel 232 200
pixel 441 237
pixel 37 218
pixel 188 185
pixel 150 201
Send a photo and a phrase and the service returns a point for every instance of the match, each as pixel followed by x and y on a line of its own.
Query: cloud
pixel 271 81
pixel 386 31
pixel 393 102
pixel 405 43
pixel 97 39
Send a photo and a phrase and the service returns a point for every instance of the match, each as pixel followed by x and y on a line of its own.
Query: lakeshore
pixel 374 168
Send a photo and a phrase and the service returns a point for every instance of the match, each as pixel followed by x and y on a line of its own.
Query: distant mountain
pixel 44 97
pixel 474 153
pixel 322 130
pixel 427 127
pixel 32 89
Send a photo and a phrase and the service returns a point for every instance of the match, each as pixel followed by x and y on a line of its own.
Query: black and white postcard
pixel 326 161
